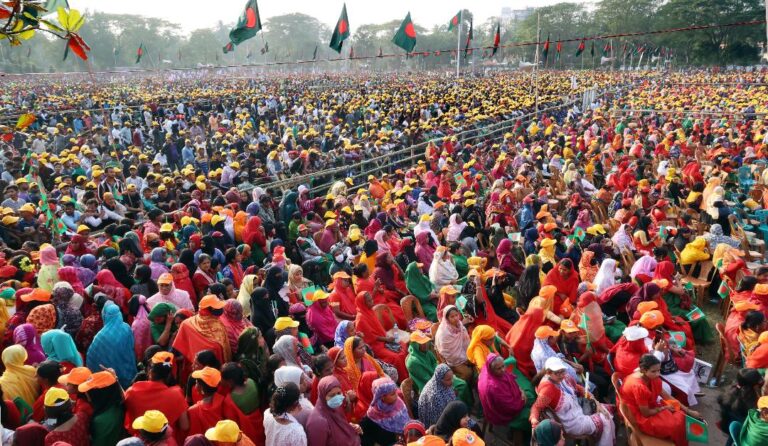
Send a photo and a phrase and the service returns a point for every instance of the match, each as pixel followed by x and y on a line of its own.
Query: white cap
pixel 554 364
pixel 635 332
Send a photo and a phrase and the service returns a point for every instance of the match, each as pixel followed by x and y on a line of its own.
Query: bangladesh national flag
pixel 341 32
pixel 579 233
pixel 314 55
pixel 139 52
pixel 696 430
pixel 470 36
pixel 592 49
pixel 454 23
pixel 228 48
pixel 607 49
pixel 405 37
pixel 678 337
pixel 581 48
pixel 723 290
pixel 496 39
pixel 558 50
pixel 545 53
pixel 695 314
pixel 247 25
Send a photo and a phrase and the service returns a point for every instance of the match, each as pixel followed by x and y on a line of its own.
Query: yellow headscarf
pixel 534 259
pixel 353 372
pixel 547 253
pixel 477 351
pixel 694 252
pixel 18 380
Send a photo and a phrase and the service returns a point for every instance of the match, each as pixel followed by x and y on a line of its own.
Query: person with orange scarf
pixel 566 280
pixel 203 331
pixel 520 338
pixel 364 280
pixel 758 359
pixel 342 296
pixel 385 347
pixel 359 361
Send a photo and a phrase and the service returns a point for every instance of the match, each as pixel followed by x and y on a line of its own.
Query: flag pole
pixel 458 43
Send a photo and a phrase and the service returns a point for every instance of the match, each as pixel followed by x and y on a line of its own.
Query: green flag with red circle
pixel 405 37
pixel 696 430
pixel 341 32
pixel 247 25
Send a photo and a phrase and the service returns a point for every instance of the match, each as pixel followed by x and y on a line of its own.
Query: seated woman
pixel 326 424
pixel 358 361
pixel 758 359
pixel 522 335
pixel 436 394
pixel 678 304
pixel 695 251
pixel 387 415
pixel 363 280
pixel 558 392
pixel 749 332
pixel 566 280
pixel 451 342
pixel 754 432
pixel 442 271
pixel 420 286
pixel 385 347
pixel 651 292
pixel 739 398
pixel 504 400
pixel 543 350
pixel 482 343
pixel 656 413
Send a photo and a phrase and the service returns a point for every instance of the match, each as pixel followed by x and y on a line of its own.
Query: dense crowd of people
pixel 178 267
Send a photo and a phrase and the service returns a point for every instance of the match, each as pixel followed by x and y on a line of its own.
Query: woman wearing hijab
pixel 387 415
pixel 376 336
pixel 108 347
pixel 263 313
pixel 327 424
pixel 274 282
pixel 454 417
pixel 606 276
pixel 437 393
pixel 161 323
pixel 506 398
pixel 68 315
pixel 480 345
pixel 359 361
pixel 695 251
pixel 167 293
pixel 42 317
pixel 521 338
pixel 342 297
pixel 442 271
pixel 204 331
pixel 48 274
pixel 622 240
pixel 420 286
pixel 452 341
pixel 506 259
pixel 18 380
pixel 107 284
pixel 234 323
pixel 26 336
pixel 183 282
pixel 677 304
pixel 424 251
pixel 292 374
pixel 244 293
pixel 144 284
pixel 157 258
pixel 69 274
pixel 588 268
pixel 321 319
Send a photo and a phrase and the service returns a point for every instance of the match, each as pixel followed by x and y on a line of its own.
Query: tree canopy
pixel 115 38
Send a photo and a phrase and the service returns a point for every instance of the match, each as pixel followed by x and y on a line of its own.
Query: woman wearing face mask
pixel 340 262
pixel 327 424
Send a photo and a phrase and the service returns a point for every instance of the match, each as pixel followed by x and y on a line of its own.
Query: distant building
pixel 514 15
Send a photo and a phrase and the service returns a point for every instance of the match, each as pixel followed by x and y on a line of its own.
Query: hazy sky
pixel 193 14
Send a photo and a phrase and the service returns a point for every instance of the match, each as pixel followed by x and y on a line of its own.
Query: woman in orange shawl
pixel 359 361
pixel 239 223
pixel 376 336
pixel 588 271
pixel 342 297
pixel 204 331
pixel 364 281
pixel 566 280
pixel 520 338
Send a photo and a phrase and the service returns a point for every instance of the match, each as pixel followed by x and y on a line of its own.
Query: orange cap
pixel 162 358
pixel 545 331
pixel 76 376
pixel 98 380
pixel 652 319
pixel 644 307
pixel 209 375
pixel 38 294
pixel 211 301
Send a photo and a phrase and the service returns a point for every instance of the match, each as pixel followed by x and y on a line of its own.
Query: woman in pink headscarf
pixel 78 246
pixel 381 238
pixel 183 282
pixel 424 252
pixel 373 227
pixel 117 293
pixel 142 338
pixel 329 236
pixel 49 265
pixel 234 322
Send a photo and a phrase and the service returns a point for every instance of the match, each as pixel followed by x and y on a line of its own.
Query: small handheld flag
pixel 678 337
pixel 695 314
pixel 696 430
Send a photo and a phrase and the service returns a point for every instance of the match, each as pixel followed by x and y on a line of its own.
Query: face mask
pixel 335 402
pixel 339 258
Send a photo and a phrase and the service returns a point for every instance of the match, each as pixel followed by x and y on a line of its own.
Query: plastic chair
pixel 406 387
pixel 735 430
pixel 634 436
pixel 411 308
pixel 725 357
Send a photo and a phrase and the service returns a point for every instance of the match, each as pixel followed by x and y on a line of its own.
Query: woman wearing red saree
pixel 365 281
pixel 629 349
pixel 203 331
pixel 566 280
pixel 376 337
pixel 520 338
pixel 342 297
pixel 649 403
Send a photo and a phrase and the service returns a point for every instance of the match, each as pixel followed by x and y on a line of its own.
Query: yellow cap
pixel 285 322
pixel 225 431
pixel 55 396
pixel 152 421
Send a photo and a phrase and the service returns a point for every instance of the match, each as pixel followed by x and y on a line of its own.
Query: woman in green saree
pixel 421 363
pixel 420 286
